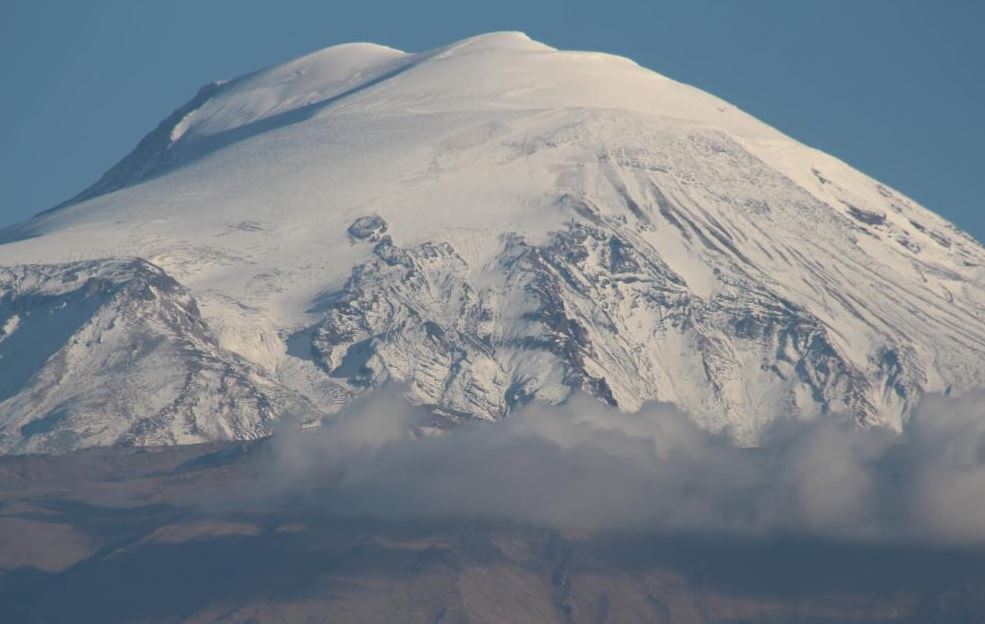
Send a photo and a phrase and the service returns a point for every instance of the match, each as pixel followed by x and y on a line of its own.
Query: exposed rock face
pixel 369 228
pixel 584 311
pixel 116 352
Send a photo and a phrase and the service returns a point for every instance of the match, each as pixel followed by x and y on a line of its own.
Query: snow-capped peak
pixel 496 221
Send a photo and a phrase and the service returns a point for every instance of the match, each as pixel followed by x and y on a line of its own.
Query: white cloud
pixel 583 466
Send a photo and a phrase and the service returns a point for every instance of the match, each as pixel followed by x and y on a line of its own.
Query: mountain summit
pixel 487 223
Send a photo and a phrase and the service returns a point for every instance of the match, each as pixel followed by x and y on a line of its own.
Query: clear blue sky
pixel 894 87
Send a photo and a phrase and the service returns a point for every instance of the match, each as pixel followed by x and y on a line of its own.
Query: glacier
pixel 485 224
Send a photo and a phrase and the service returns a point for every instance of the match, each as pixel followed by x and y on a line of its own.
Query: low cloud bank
pixel 582 466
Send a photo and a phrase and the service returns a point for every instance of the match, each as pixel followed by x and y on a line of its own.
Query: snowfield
pixel 487 223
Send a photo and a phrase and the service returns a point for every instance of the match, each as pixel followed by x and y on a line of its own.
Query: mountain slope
pixel 497 221
pixel 114 352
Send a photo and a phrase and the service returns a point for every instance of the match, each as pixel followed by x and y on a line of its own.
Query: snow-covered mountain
pixel 488 223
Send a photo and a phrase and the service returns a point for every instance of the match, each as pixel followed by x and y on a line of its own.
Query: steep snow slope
pixel 497 220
